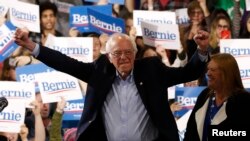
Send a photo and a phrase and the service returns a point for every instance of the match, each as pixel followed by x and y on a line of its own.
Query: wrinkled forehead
pixel 120 42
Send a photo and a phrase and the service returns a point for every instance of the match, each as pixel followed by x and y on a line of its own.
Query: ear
pixel 109 57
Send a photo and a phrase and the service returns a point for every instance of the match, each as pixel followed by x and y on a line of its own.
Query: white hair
pixel 113 39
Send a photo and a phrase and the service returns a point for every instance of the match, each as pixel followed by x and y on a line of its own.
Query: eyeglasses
pixel 118 54
pixel 222 26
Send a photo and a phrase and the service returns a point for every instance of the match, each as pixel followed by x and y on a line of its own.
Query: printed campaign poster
pixel 23 14
pixel 164 17
pixel 101 23
pixel 80 48
pixel 27 73
pixel 240 49
pixel 78 16
pixel 186 96
pixel 121 2
pixel 54 85
pixel 164 35
pixel 19 91
pixel 182 16
pixel 7 44
pixel 12 117
pixel 73 109
pixel 3 9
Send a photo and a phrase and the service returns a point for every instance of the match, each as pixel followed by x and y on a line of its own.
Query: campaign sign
pixel 27 73
pixel 182 16
pixel 101 23
pixel 78 16
pixel 80 48
pixel 16 90
pixel 73 109
pixel 164 17
pixel 23 14
pixel 12 117
pixel 3 9
pixel 164 35
pixel 54 85
pixel 240 49
pixel 121 2
pixel 7 44
pixel 186 96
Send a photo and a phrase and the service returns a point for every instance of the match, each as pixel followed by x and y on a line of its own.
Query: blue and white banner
pixel 73 109
pixel 240 49
pixel 27 73
pixel 7 44
pixel 121 2
pixel 164 17
pixel 19 91
pixel 164 35
pixel 78 16
pixel 101 23
pixel 12 117
pixel 80 48
pixel 27 15
pixel 54 85
pixel 186 97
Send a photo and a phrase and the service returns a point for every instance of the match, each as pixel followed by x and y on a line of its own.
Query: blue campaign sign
pixel 101 23
pixel 7 44
pixel 73 110
pixel 121 2
pixel 91 0
pixel 187 97
pixel 27 73
pixel 78 15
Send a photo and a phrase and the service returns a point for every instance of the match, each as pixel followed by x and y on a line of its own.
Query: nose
pixel 123 55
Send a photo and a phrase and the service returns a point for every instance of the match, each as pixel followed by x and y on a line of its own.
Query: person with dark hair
pixel 2 137
pixel 128 100
pixel 223 105
pixel 48 20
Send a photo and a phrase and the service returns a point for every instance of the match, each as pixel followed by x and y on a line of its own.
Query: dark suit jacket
pixel 236 111
pixel 152 78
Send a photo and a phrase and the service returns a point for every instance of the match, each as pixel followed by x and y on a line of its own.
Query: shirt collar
pixel 129 78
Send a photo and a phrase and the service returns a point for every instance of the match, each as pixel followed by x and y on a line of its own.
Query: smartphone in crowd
pixel 225 34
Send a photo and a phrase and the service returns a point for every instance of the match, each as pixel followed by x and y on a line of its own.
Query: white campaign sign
pixel 164 17
pixel 3 9
pixel 18 90
pixel 247 5
pixel 23 14
pixel 240 49
pixel 54 85
pixel 164 35
pixel 182 16
pixel 12 117
pixel 80 48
